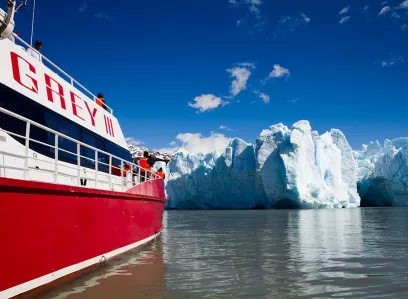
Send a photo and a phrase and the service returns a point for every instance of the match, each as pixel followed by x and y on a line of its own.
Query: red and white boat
pixel 66 204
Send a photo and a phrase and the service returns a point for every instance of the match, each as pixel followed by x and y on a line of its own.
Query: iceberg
pixel 285 168
pixel 213 181
pixel 383 173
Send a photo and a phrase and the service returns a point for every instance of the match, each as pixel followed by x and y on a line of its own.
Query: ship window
pixel 59 124
pixel 103 158
pixel 13 125
pixel 89 153
pixel 17 103
pixel 116 167
pixel 86 152
pixel 69 150
pixel 119 152
pixel 38 134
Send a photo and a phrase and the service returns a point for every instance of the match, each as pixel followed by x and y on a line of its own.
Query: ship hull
pixel 50 232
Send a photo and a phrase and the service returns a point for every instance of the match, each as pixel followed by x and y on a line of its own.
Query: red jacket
pixel 143 164
pixel 125 171
pixel 161 174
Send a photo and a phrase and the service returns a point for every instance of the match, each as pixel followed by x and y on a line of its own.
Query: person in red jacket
pixel 100 100
pixel 160 173
pixel 145 164
pixel 127 168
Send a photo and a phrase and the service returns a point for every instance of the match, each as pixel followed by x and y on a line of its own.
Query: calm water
pixel 356 253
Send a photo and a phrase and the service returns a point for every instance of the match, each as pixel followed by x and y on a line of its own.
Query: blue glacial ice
pixel 285 167
pixel 383 173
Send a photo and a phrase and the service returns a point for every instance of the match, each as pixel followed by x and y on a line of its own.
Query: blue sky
pixel 338 64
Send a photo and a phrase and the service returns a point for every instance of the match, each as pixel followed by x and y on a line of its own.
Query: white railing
pixel 122 177
pixel 71 80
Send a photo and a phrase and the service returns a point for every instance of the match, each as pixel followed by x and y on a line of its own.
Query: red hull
pixel 49 231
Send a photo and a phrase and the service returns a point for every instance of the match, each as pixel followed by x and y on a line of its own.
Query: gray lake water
pixel 347 253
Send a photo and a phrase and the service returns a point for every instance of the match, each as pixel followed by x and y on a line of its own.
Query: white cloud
pixel 246 65
pixel 222 127
pixel 195 143
pixel 404 4
pixel 104 16
pixel 173 143
pixel 344 10
pixel 393 60
pixel 207 102
pixel 289 24
pixel 83 7
pixel 240 75
pixel 395 15
pixel 264 97
pixel 293 101
pixel 384 10
pixel 344 19
pixel 133 141
pixel 366 7
pixel 279 71
pixel 253 6
pixel 404 27
pixel 305 18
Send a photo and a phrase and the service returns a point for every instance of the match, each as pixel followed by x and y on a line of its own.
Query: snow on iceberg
pixel 383 173
pixel 285 168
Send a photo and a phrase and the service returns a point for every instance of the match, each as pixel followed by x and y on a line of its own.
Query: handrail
pixel 149 175
pixel 71 79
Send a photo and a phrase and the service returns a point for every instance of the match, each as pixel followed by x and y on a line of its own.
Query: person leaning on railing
pixel 161 173
pixel 36 53
pixel 146 165
pixel 127 168
pixel 100 100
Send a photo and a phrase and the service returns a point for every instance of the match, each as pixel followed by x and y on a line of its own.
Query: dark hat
pixel 100 95
pixel 38 43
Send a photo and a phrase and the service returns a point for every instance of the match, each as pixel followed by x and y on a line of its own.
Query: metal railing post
pixel 110 172
pixel 79 163
pixel 27 147
pixel 131 175
pixel 121 174
pixel 56 159
pixel 138 175
pixel 96 168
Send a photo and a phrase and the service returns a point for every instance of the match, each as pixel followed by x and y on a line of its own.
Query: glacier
pixel 284 168
pixel 383 173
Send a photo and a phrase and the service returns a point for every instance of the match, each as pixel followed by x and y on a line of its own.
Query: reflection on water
pixel 347 253
pixel 137 274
